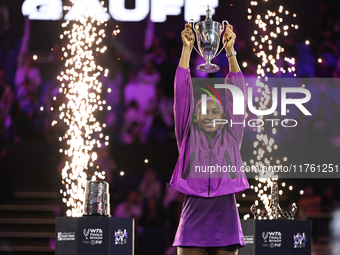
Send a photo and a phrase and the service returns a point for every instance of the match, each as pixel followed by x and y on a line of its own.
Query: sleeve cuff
pixel 235 75
pixel 182 69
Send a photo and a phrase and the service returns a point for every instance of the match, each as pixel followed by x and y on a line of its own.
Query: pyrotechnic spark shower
pixel 80 86
pixel 272 28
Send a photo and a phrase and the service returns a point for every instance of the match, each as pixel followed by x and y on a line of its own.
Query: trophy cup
pixel 97 199
pixel 208 34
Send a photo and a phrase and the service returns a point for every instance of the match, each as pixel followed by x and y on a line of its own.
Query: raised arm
pixel 183 88
pixel 235 77
pixel 230 36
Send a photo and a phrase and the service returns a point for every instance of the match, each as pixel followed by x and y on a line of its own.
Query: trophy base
pixel 208 68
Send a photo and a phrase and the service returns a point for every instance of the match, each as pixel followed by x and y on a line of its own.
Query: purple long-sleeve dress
pixel 209 215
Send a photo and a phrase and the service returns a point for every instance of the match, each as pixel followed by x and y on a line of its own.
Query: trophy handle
pixel 193 28
pixel 222 28
pixel 193 24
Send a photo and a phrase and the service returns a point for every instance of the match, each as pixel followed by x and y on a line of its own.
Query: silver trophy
pixel 208 34
pixel 97 199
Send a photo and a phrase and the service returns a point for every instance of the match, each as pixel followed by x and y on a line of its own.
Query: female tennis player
pixel 209 222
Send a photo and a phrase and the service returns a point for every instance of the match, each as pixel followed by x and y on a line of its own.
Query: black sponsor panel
pixel 279 237
pixel 301 230
pixel 65 235
pixel 248 227
pixel 93 235
pixel 123 236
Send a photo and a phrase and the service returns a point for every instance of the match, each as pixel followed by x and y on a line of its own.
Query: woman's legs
pixel 202 251
pixel 224 250
pixel 220 252
pixel 191 251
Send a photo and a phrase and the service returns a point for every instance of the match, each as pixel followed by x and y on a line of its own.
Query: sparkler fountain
pixel 81 86
pixel 96 232
pixel 267 47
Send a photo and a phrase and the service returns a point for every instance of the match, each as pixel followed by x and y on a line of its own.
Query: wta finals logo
pixel 299 240
pixel 121 237
pixel 265 236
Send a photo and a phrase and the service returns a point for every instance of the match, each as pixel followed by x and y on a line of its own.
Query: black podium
pixel 279 237
pixel 91 235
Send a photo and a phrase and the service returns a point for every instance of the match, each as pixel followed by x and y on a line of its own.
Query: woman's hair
pixel 217 102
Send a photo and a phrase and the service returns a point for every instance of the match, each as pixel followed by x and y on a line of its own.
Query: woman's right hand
pixel 188 37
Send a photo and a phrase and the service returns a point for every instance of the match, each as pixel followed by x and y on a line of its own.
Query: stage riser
pixel 94 235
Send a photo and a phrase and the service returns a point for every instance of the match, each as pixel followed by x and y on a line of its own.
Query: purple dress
pixel 209 222
pixel 209 215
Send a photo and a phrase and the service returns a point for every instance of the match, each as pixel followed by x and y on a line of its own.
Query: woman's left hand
pixel 230 37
